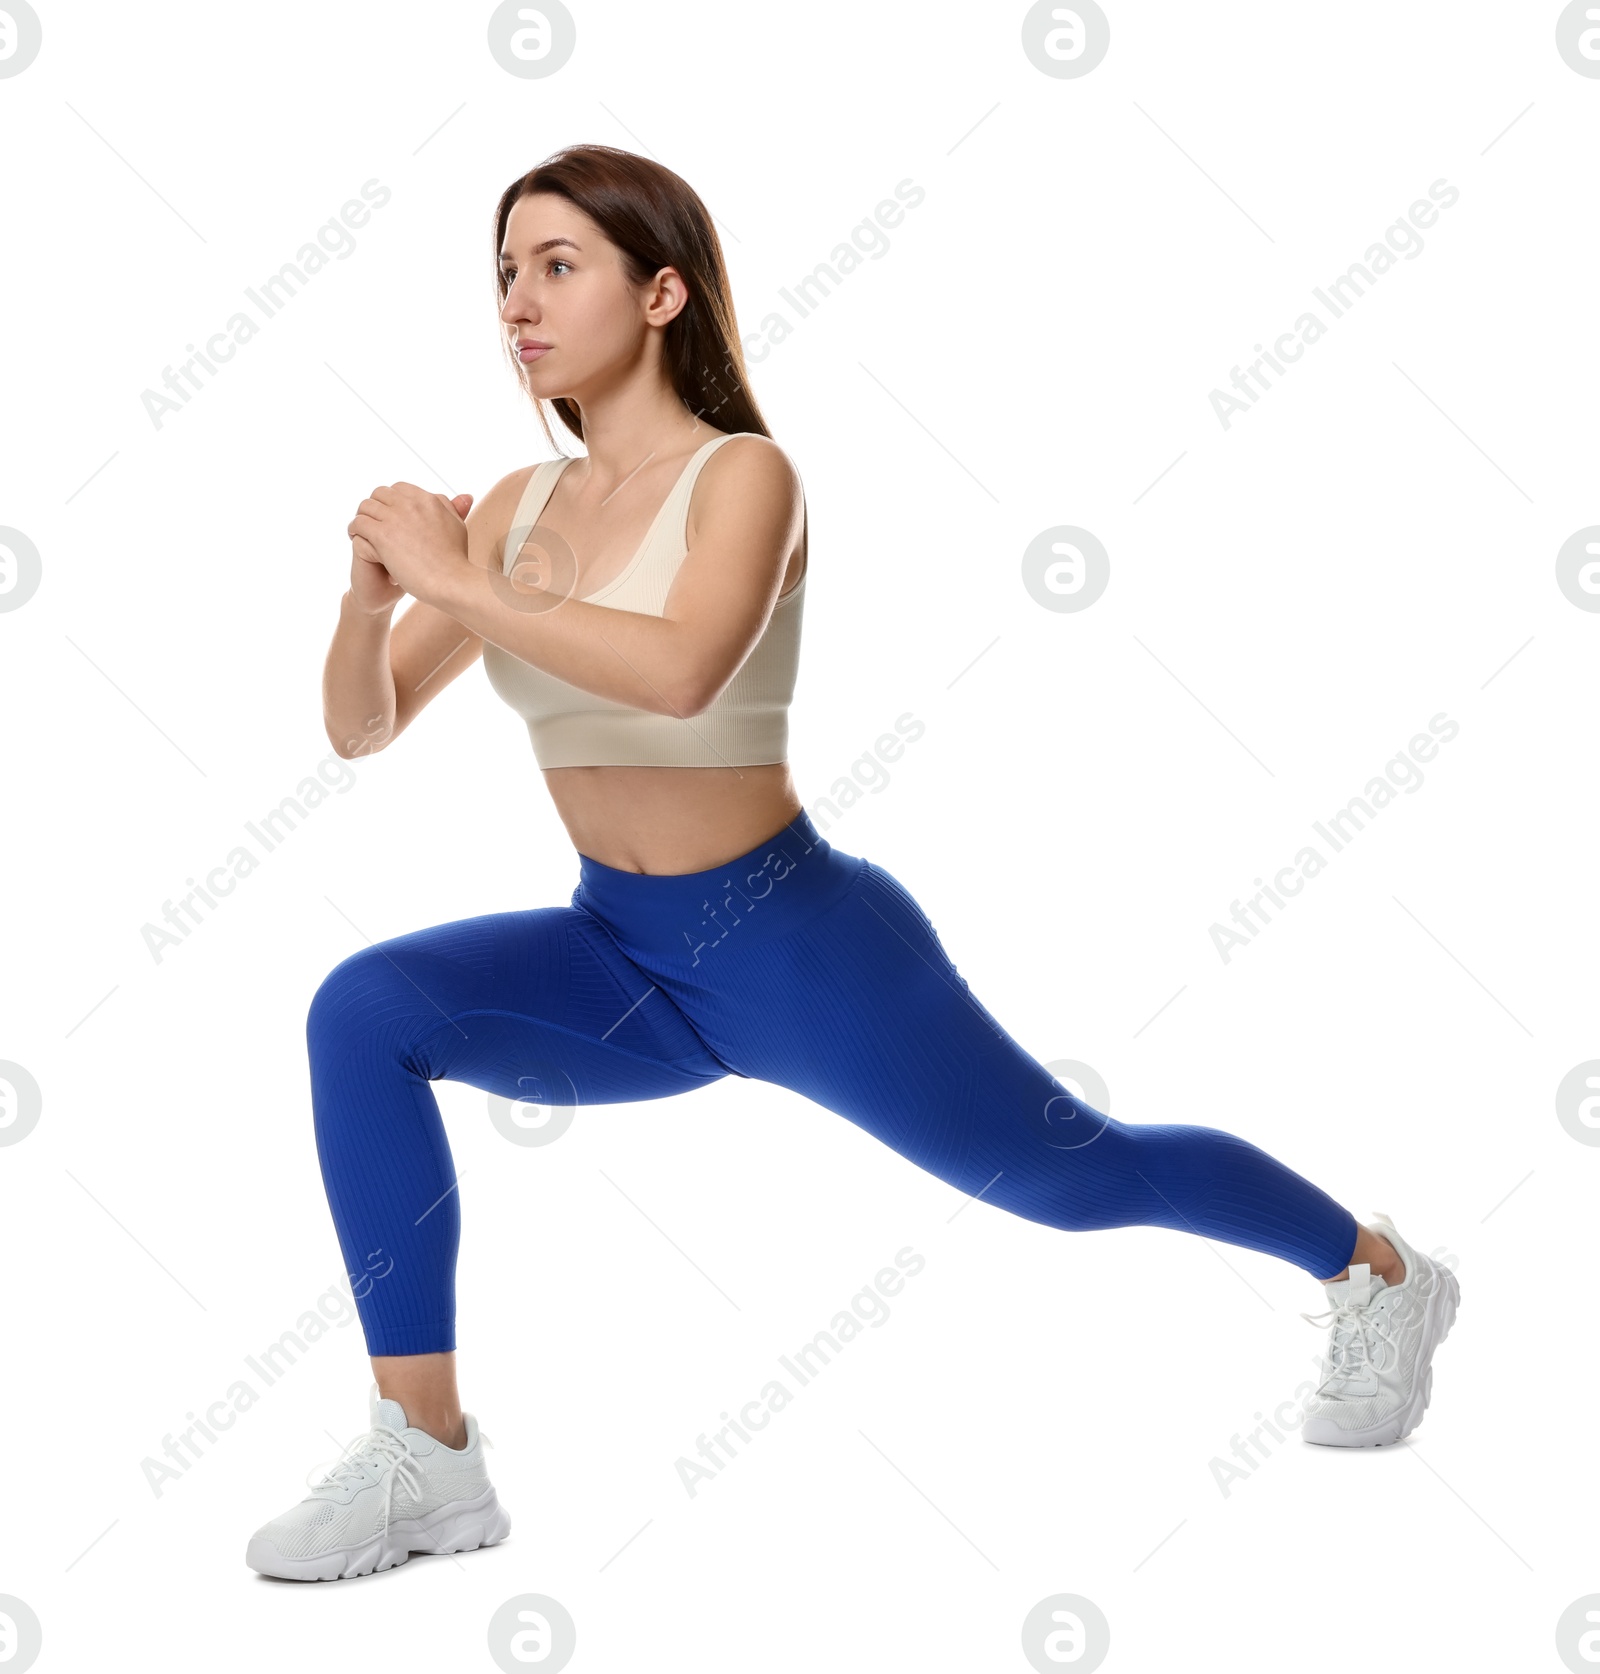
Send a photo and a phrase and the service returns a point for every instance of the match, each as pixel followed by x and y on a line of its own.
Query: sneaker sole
pixel 1441 1316
pixel 461 1526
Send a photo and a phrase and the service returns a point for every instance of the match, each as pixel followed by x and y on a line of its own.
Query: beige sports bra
pixel 747 726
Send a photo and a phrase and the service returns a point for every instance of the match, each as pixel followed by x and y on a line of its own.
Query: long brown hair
pixel 656 219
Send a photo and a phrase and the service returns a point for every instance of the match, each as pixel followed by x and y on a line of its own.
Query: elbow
pixel 349 747
pixel 692 697
pixel 696 695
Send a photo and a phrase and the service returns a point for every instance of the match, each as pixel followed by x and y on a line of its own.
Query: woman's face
pixel 568 289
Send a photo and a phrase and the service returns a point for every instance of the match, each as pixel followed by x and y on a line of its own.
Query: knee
pixel 359 994
pixel 1089 1166
pixel 1061 1121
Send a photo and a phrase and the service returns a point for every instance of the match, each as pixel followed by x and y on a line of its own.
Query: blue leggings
pixel 797 964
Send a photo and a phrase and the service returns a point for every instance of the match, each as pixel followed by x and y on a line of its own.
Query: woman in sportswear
pixel 639 605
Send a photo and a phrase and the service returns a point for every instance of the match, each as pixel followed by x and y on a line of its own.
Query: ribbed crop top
pixel 747 725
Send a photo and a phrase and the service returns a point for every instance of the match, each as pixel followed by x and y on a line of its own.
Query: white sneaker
pixel 1377 1372
pixel 396 1491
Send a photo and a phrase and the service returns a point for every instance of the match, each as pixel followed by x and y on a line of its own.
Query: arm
pixel 377 681
pixel 744 518
pixel 356 680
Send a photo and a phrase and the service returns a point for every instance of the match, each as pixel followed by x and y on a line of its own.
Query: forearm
pixel 622 655
pixel 357 685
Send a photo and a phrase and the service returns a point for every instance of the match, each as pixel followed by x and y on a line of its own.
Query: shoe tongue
pixel 1362 1285
pixel 388 1415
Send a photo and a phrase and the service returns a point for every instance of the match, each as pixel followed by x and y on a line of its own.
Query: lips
pixel 531 349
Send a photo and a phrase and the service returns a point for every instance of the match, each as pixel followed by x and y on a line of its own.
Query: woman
pixel 649 633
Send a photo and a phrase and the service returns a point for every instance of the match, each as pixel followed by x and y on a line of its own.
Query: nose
pixel 516 305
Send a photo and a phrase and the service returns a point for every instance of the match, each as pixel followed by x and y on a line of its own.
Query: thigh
pixel 866 1014
pixel 538 1004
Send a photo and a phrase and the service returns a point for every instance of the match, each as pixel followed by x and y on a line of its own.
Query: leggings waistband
pixel 785 880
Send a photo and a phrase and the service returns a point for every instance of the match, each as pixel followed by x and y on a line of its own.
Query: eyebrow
pixel 539 249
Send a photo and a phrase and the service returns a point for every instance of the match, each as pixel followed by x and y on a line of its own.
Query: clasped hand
pixel 416 536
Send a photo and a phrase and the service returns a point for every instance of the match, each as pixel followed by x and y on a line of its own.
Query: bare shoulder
pixel 754 458
pixel 747 475
pixel 754 503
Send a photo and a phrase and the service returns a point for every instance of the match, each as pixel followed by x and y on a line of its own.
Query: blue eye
pixel 509 274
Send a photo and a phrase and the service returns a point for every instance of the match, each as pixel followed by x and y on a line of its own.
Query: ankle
pixel 443 1422
pixel 1392 1270
pixel 425 1387
pixel 1384 1262
pixel 447 1428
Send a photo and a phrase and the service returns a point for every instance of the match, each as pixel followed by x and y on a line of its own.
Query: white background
pixel 1290 600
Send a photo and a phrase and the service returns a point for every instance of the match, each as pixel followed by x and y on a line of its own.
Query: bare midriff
pixel 671 819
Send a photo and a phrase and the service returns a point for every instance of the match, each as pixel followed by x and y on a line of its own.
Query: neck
pixel 620 437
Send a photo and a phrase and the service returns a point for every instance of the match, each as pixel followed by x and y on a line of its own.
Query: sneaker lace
pixel 1353 1329
pixel 382 1455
